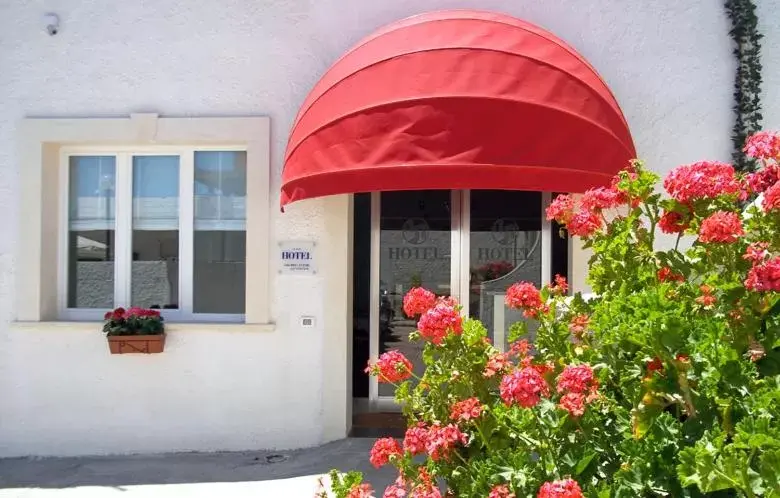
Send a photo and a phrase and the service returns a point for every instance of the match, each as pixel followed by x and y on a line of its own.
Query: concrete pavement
pixel 266 474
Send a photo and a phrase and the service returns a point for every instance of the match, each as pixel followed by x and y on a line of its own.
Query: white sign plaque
pixel 297 258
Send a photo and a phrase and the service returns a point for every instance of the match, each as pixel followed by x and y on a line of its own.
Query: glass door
pixel 413 234
pixel 469 244
pixel 505 240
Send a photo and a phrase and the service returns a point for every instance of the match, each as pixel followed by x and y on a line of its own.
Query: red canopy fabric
pixel 456 100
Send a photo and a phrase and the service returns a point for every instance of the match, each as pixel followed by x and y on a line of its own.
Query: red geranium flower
pixel 392 367
pixel 765 276
pixel 578 324
pixel 397 489
pixel 722 226
pixel 655 365
pixel 672 222
pixel 574 403
pixel 501 491
pixel 559 286
pixel 771 201
pixel 584 224
pixel 565 488
pixel 524 296
pixel 520 348
pixel 756 252
pixel 498 363
pixel 598 199
pixel 441 441
pixel 361 491
pixel 417 301
pixel 561 209
pixel 706 298
pixel 440 321
pixel 524 387
pixel 415 439
pixel 666 274
pixel 702 180
pixel 383 450
pixel 425 487
pixel 576 379
pixel 761 180
pixel 763 145
pixel 467 409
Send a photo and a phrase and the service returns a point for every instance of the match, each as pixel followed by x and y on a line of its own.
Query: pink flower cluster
pixel 721 227
pixel 706 298
pixel 702 180
pixel 498 363
pixel 578 324
pixel 672 222
pixel 559 286
pixel 598 199
pixel 764 145
pixel 437 440
pixel 666 274
pixel 361 491
pixel 440 321
pixel 468 409
pixel 383 450
pixel 397 489
pixel 133 312
pixel 565 488
pixel 392 367
pixel 525 387
pixel 561 209
pixel 582 223
pixel 578 386
pixel 525 296
pixel 501 491
pixel 771 200
pixel 763 179
pixel 417 301
pixel 764 276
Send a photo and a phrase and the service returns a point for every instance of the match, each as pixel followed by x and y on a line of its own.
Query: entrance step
pixel 378 424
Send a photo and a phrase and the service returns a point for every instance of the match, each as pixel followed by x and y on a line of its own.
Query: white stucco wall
pixel 668 62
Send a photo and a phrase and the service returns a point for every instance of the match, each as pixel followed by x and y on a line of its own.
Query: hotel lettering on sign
pixel 297 258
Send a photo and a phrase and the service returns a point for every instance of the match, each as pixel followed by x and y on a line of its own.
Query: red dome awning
pixel 456 100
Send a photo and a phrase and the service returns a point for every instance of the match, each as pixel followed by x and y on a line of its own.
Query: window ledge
pixel 169 327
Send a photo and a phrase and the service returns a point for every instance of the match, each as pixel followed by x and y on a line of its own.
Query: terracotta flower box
pixel 143 344
pixel 134 330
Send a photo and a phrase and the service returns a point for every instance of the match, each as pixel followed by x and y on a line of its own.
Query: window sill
pixel 183 327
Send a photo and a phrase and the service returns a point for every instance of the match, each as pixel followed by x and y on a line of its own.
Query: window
pixel 160 228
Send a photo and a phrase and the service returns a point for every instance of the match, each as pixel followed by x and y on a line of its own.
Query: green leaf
pixel 584 462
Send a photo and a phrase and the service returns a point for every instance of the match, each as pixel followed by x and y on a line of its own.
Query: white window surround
pixel 42 145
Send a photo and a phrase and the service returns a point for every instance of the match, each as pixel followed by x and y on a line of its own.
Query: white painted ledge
pixel 169 327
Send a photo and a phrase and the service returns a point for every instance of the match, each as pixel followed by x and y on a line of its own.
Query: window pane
pixel 219 274
pixel 505 248
pixel 91 205
pixel 155 266
pixel 415 250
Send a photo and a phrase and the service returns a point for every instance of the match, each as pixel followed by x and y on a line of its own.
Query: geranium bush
pixel 133 321
pixel 665 384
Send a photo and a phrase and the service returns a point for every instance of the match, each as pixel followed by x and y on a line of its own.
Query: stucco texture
pixel 668 62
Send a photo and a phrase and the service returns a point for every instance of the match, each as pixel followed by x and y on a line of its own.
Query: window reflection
pixel 155 245
pixel 505 248
pixel 91 229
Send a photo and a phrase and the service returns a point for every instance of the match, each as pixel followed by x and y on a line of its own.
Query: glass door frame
pixel 460 274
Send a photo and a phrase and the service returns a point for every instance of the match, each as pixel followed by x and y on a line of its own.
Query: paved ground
pixel 190 475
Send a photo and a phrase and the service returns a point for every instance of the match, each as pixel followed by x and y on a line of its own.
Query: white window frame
pixel 124 226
